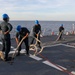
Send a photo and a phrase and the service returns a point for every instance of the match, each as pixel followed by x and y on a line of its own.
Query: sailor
pixel 61 30
pixel 22 33
pixel 5 29
pixel 36 32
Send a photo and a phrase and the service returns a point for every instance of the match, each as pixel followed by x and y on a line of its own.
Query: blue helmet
pixel 5 16
pixel 62 25
pixel 36 22
pixel 18 28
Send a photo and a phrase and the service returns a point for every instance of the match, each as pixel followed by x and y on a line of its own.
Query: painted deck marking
pixel 22 51
pixel 50 64
pixel 35 57
pixel 58 67
pixel 73 72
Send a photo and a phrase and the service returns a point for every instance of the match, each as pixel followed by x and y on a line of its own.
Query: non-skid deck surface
pixel 58 59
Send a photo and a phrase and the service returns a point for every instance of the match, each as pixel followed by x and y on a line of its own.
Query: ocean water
pixel 47 26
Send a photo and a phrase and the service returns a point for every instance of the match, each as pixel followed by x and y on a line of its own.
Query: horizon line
pixel 40 20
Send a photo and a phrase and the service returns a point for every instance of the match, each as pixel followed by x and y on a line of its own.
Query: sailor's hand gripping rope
pixel 35 48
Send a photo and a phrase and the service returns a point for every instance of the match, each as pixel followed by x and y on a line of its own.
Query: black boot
pixel 8 59
pixel 27 53
pixel 18 54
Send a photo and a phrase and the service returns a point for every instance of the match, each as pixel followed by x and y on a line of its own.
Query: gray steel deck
pixel 55 59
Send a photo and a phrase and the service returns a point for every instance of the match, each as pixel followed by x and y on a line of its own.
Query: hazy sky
pixel 38 9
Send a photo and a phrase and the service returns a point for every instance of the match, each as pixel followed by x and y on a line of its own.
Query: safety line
pixel 47 62
pixel 63 70
pixel 52 45
pixel 68 45
pixel 60 67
